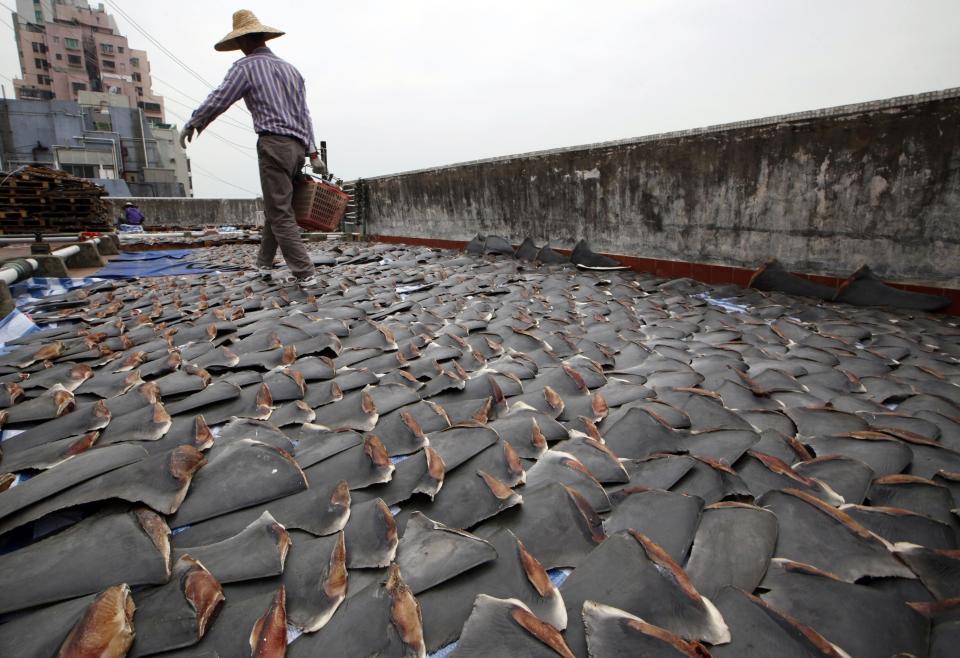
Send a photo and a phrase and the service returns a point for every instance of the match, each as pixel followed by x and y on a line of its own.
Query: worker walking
pixel 273 91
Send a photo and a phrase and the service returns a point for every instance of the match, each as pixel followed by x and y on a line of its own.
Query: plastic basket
pixel 318 205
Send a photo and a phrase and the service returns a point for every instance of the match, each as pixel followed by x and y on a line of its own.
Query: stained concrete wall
pixel 822 191
pixel 193 213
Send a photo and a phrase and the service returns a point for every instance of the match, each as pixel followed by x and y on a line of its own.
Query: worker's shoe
pixel 265 273
pixel 311 281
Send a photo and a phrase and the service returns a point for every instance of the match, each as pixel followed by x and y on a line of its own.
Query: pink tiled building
pixel 66 47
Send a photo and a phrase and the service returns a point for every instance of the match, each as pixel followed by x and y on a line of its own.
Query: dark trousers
pixel 281 158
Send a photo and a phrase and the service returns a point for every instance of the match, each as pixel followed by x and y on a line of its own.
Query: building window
pixel 39 15
pixel 120 49
pixel 39 47
pixel 78 87
pixel 150 107
pixel 71 44
pixel 137 77
pixel 74 60
pixel 59 57
pixel 41 63
pixel 56 39
pixel 108 64
pixel 44 79
pixel 139 91
pixel 135 61
pixel 106 48
pixel 81 170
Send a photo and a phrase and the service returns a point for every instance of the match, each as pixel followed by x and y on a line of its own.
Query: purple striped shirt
pixel 273 91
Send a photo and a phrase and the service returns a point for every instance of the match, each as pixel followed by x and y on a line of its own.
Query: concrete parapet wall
pixel 823 191
pixel 193 213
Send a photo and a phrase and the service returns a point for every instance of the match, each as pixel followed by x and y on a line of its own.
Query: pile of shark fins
pixel 512 457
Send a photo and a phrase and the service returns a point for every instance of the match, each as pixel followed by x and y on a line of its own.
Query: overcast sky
pixel 399 85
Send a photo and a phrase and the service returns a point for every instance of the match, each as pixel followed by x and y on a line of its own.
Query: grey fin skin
pixel 773 277
pixel 361 465
pixel 400 432
pixel 430 553
pixel 74 471
pixel 732 546
pixel 726 446
pixel 40 632
pixel 663 594
pixel 670 519
pixel 870 623
pixel 916 494
pixel 81 420
pixel 149 423
pixel 613 633
pixel 881 452
pixel 584 258
pixel 828 538
pixel 238 475
pixel 515 574
pixel 756 629
pixel 864 288
pixel 258 551
pixel 320 510
pixel 554 522
pixel 315 579
pixel 762 473
pixel 53 403
pixel 898 525
pixel 423 473
pixel 848 477
pixel 561 467
pixel 468 497
pixel 177 614
pixel 639 435
pixel 217 392
pixel 461 442
pixel 160 482
pixel 254 402
pixel 315 443
pixel 507 627
pixel 356 411
pixel 252 626
pixel 937 569
pixel 371 535
pixel 602 463
pixel 387 608
pixel 258 430
pixel 77 561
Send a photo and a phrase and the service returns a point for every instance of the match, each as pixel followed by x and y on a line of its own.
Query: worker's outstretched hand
pixel 318 165
pixel 186 135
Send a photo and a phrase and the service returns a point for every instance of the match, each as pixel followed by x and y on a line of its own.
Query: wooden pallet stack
pixel 37 199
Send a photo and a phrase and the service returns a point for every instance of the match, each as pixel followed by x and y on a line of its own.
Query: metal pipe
pixel 66 252
pixel 23 239
pixel 14 270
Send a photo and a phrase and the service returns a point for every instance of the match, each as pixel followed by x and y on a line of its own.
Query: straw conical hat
pixel 245 22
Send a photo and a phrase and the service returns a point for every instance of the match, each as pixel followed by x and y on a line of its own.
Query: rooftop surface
pixel 435 450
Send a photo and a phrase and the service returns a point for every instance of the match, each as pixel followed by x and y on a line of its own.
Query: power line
pixel 217 178
pixel 230 121
pixel 162 48
pixel 240 148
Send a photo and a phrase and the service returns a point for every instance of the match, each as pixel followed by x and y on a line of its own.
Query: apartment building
pixel 66 47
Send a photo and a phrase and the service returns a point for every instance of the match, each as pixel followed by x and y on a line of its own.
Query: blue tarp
pixel 152 263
